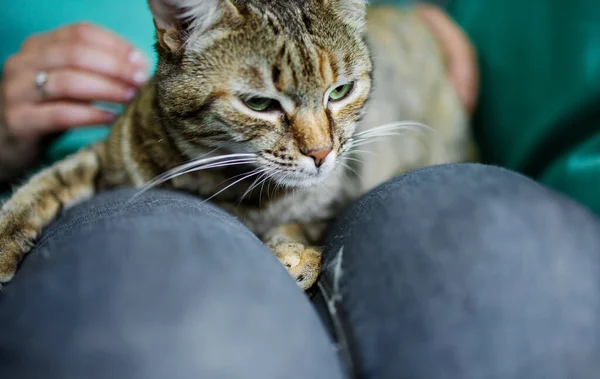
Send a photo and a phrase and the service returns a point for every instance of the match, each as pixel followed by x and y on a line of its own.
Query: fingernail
pixel 136 57
pixel 140 77
pixel 130 93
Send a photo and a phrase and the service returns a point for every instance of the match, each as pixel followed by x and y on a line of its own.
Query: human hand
pixel 81 63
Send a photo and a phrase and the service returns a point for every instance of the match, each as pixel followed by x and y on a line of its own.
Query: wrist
pixel 16 154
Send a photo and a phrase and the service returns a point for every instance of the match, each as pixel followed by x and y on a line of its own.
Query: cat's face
pixel 286 80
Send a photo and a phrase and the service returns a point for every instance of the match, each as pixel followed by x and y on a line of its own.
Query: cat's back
pixel 410 83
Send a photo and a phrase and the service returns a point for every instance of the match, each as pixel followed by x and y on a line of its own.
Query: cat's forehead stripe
pixel 334 64
pixel 305 74
pixel 324 67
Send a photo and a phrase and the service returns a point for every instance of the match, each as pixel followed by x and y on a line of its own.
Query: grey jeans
pixel 453 272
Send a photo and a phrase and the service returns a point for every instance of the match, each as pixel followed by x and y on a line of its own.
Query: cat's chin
pixel 301 180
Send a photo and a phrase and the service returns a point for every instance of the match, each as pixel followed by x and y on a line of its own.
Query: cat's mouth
pixel 301 173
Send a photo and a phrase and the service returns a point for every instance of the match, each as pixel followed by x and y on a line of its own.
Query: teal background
pixel 539 111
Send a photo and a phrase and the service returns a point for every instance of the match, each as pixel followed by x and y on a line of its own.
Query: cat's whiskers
pixel 279 184
pixel 402 125
pixel 353 159
pixel 389 130
pixel 248 175
pixel 202 156
pixel 210 166
pixel 372 135
pixel 200 161
pixel 252 186
pixel 262 186
pixel 377 138
pixel 417 129
pixel 198 165
pixel 259 170
pixel 271 175
pixel 351 169
pixel 264 176
pixel 364 151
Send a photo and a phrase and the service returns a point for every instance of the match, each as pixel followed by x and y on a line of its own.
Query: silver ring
pixel 41 78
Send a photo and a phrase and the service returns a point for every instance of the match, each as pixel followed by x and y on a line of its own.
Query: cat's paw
pixel 15 241
pixel 303 263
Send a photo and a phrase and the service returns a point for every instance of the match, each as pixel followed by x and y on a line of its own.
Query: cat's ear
pixel 177 20
pixel 352 12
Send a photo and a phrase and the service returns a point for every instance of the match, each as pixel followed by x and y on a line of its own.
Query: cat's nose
pixel 319 155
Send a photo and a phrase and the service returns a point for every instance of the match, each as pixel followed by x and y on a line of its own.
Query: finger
pixel 42 119
pixel 459 52
pixel 97 36
pixel 92 35
pixel 84 57
pixel 78 85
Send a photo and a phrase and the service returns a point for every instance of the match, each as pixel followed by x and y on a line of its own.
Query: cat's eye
pixel 340 92
pixel 261 104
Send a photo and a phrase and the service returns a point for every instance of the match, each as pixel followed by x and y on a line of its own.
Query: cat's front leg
pixel 40 200
pixel 291 244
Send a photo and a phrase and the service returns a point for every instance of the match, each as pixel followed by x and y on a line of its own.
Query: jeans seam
pixel 341 331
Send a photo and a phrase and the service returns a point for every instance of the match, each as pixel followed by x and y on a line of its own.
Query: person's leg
pixel 164 287
pixel 467 271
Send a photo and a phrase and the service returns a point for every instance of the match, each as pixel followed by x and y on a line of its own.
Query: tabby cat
pixel 261 106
